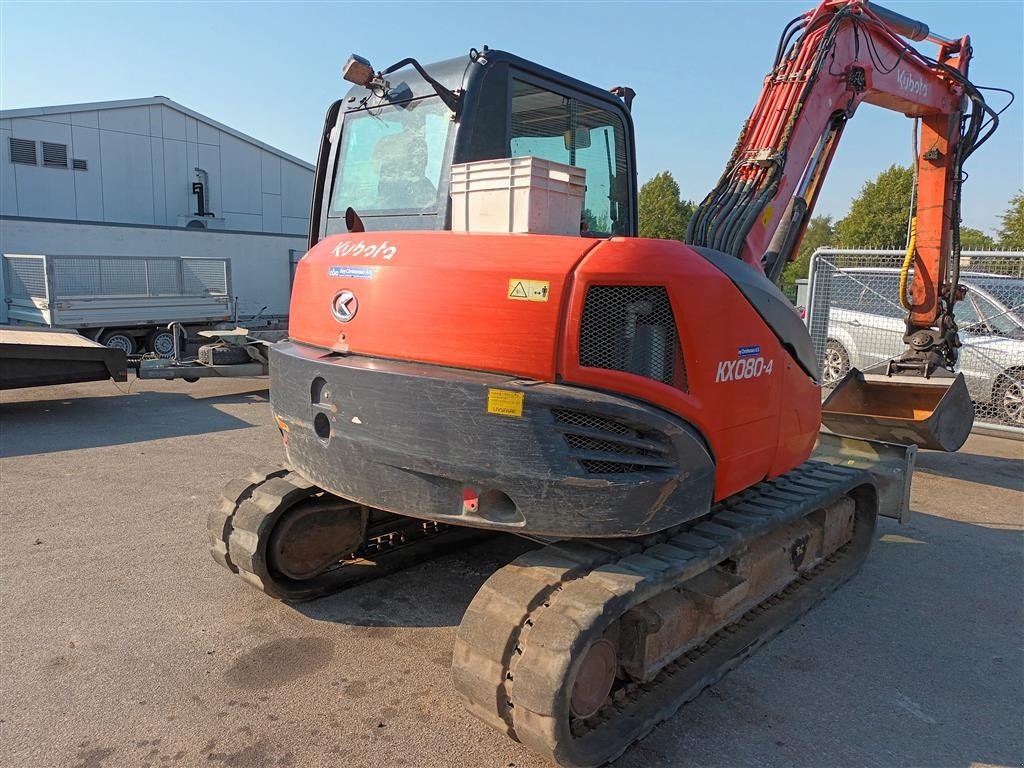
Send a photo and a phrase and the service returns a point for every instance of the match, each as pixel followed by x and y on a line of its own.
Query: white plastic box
pixel 518 194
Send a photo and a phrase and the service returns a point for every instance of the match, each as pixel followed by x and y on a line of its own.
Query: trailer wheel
pixel 160 342
pixel 119 340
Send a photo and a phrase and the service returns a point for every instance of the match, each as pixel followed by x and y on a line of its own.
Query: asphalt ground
pixel 123 644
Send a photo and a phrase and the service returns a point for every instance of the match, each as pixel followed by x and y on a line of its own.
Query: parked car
pixel 866 326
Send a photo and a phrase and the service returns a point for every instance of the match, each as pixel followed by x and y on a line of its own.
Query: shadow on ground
pixel 433 594
pixel 998 471
pixel 30 427
pixel 943 693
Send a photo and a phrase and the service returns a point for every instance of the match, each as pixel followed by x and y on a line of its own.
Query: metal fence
pixel 855 320
pixel 114 276
pixel 76 276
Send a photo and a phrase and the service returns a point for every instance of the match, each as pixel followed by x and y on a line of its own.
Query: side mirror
pixel 577 139
pixel 352 220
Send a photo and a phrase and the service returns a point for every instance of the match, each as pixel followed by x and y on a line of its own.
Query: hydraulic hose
pixel 907 261
pixel 911 227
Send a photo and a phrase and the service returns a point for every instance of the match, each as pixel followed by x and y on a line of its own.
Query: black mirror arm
pixel 450 98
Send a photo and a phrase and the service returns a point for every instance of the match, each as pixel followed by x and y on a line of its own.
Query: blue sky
pixel 271 69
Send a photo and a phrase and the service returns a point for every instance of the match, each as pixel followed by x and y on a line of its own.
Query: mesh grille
pixel 590 421
pixel 164 277
pixel 631 328
pixel 603 446
pixel 155 276
pixel 76 277
pixel 205 276
pixel 26 277
pixel 23 151
pixel 80 165
pixel 55 155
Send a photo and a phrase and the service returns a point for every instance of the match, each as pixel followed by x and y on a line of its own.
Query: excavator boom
pixel 829 61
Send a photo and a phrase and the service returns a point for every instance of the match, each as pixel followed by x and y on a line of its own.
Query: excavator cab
pixel 389 144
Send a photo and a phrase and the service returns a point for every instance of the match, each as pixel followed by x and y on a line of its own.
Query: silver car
pixel 866 325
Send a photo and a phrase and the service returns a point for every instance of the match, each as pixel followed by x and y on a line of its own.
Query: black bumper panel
pixel 486 450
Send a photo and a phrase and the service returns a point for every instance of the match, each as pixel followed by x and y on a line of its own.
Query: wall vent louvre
pixel 55 155
pixel 23 151
pixel 79 165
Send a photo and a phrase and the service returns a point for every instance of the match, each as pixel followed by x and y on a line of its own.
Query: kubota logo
pixel 345 306
pixel 914 85
pixel 368 250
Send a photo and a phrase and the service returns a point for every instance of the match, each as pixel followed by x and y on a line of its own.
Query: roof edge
pixel 60 109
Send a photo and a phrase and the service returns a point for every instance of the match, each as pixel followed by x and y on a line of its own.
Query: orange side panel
pixel 450 299
pixel 440 297
pixel 758 410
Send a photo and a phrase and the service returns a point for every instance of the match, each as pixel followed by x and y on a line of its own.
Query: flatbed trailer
pixel 35 357
pixel 119 301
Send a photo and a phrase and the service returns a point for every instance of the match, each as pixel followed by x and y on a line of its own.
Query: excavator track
pixel 252 509
pixel 540 640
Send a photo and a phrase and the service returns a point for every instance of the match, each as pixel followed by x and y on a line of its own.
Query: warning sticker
pixel 504 402
pixel 528 290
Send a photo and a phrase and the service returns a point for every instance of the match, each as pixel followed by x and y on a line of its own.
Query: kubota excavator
pixel 643 409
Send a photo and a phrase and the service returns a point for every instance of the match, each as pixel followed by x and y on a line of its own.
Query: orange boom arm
pixel 842 54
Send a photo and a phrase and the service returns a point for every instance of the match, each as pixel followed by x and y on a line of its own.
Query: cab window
pixel 567 130
pixel 391 157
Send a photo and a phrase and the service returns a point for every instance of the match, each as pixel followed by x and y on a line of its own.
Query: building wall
pixel 140 168
pixel 260 263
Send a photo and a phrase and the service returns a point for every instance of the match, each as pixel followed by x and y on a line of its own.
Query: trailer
pixel 36 357
pixel 124 302
pixel 227 353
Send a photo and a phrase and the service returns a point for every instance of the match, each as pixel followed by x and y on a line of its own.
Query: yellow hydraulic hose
pixel 907 261
pixel 912 228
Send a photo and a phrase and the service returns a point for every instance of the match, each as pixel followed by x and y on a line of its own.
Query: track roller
pixel 294 541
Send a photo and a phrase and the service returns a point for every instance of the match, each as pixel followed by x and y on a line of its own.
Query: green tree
pixel 819 234
pixel 1011 234
pixel 975 240
pixel 662 213
pixel 878 216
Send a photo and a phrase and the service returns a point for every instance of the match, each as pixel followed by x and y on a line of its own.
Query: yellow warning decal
pixel 766 217
pixel 528 290
pixel 504 402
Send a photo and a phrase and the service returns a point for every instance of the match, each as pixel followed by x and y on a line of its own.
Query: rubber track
pixel 533 619
pixel 249 507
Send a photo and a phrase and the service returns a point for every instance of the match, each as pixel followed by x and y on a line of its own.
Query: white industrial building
pixel 149 177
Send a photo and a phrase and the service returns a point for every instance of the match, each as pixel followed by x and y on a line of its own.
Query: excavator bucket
pixel 934 413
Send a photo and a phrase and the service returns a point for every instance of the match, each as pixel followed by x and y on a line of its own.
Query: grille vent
pixel 603 446
pixel 79 165
pixel 26 277
pixel 23 151
pixel 55 155
pixel 631 328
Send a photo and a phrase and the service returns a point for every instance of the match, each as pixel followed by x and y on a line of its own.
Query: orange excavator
pixel 648 412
